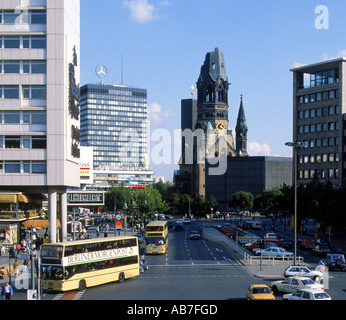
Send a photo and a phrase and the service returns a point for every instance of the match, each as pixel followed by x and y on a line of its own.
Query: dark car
pixel 320 251
pixel 194 235
pixel 178 226
pixel 287 244
pixel 335 261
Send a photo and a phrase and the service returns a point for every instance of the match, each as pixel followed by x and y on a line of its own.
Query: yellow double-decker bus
pixel 81 264
pixel 156 237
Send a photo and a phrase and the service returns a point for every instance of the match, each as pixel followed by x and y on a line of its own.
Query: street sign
pixel 119 224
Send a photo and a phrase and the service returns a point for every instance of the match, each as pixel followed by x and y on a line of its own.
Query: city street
pixel 196 270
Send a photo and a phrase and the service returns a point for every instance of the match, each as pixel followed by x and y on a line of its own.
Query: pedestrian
pixel 16 268
pixel 26 264
pixel 7 291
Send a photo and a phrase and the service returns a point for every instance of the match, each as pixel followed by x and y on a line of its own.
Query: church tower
pixel 212 115
pixel 241 131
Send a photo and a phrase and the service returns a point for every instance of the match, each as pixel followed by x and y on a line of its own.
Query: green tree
pixel 242 200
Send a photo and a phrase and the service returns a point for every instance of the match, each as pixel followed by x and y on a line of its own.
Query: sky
pixel 160 45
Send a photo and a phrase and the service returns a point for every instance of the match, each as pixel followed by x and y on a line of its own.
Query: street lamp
pixel 295 146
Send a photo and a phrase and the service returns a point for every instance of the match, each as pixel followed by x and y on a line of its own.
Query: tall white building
pixel 39 100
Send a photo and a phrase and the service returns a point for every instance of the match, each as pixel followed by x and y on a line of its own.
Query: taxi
pixel 259 292
pixel 292 284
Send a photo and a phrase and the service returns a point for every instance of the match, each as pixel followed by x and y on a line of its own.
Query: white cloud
pixel 141 10
pixel 156 114
pixel 257 149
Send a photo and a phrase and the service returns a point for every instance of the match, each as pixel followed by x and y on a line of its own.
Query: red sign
pixel 118 224
pixel 137 187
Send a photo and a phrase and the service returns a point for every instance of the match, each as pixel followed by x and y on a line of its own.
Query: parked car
pixel 194 235
pixel 307 294
pixel 292 284
pixel 320 251
pixel 143 265
pixel 321 242
pixel 259 292
pixel 301 239
pixel 270 236
pixel 335 261
pixel 275 252
pixel 307 244
pixel 287 244
pixel 303 271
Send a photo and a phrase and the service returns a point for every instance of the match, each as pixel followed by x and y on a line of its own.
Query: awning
pixel 12 198
pixel 38 224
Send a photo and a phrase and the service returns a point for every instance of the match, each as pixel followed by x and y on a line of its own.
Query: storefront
pixel 9 233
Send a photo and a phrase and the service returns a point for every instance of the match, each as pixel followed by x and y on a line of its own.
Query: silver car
pixel 303 271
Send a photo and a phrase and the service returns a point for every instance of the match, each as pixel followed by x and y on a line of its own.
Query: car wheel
pixel 275 289
pixel 317 279
pixel 82 285
pixel 121 277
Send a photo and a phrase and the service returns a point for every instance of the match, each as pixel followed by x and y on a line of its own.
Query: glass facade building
pixel 114 123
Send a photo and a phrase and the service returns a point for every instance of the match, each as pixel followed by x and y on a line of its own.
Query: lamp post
pixel 295 146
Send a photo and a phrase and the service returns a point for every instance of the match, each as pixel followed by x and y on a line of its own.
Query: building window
pixel 35 92
pixel 39 167
pixel 35 42
pixel 12 167
pixel 9 92
pixel 38 17
pixel 11 42
pixel 11 117
pixel 11 67
pixel 12 142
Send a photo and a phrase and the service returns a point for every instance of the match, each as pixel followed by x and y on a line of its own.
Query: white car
pixel 270 236
pixel 275 252
pixel 186 220
pixel 292 284
pixel 307 294
pixel 303 271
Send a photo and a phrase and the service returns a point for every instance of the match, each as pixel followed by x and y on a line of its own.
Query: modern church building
pixel 215 161
pixel 39 100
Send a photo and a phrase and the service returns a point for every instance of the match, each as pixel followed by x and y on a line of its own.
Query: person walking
pixel 16 268
pixel 7 291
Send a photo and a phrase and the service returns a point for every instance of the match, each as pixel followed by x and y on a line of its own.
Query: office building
pixel 319 95
pixel 114 123
pixel 39 100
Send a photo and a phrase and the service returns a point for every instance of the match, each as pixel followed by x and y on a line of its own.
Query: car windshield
pixel 51 273
pixel 155 241
pixel 321 296
pixel 306 282
pixel 261 290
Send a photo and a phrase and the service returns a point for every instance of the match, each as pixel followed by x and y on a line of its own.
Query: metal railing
pixel 242 254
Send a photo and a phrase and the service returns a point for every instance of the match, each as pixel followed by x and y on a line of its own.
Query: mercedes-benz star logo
pixel 101 71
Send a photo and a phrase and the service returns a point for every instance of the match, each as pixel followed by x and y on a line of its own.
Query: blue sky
pixel 164 42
